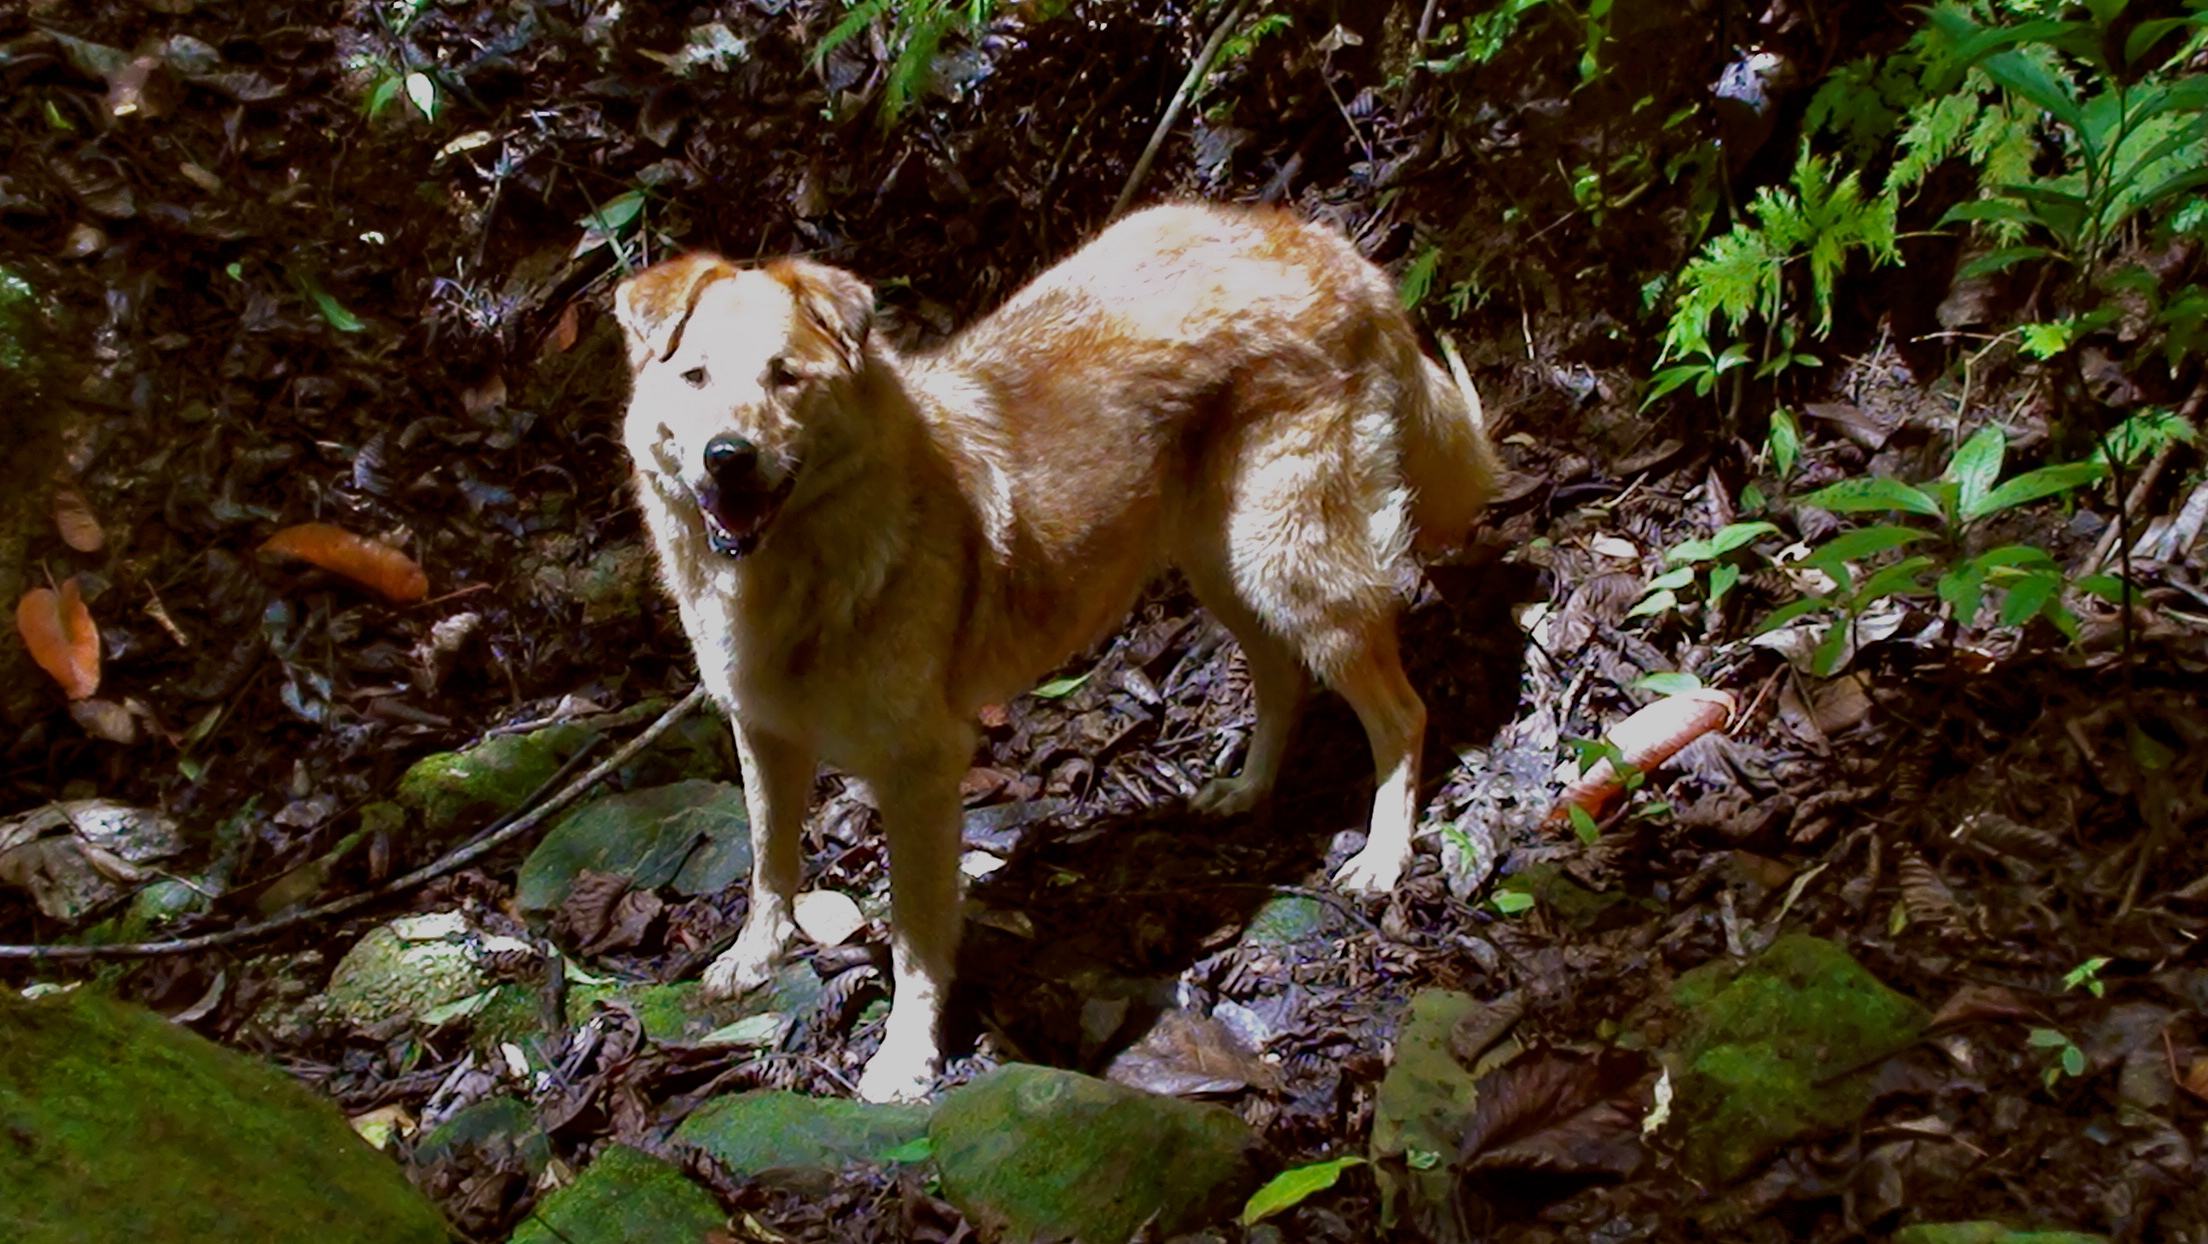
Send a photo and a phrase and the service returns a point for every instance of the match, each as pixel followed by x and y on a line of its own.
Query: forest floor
pixel 272 308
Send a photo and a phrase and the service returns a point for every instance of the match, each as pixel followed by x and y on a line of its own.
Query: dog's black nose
pixel 730 460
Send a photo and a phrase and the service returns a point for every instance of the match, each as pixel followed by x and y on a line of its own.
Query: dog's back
pixel 1219 387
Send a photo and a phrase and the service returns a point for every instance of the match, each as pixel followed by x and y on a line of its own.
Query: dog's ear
pixel 655 304
pixel 837 304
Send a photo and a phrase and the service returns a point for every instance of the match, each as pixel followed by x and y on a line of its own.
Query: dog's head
pixel 729 364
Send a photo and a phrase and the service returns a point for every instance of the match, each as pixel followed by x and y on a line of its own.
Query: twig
pixel 1181 97
pixel 456 859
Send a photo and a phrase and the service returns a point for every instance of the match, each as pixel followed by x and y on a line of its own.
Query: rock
pixel 765 1130
pixel 624 1197
pixel 1779 1047
pixel 407 969
pixel 680 1012
pixel 693 836
pixel 123 1126
pixel 1034 1153
pixel 1988 1233
pixel 1287 919
pixel 1424 1106
pixel 489 779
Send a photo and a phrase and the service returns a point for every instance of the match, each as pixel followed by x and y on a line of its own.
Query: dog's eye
pixel 780 374
pixel 695 377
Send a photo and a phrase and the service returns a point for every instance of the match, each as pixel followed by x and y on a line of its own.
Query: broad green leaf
pixel 1511 902
pixel 1418 279
pixel 2045 341
pixel 2146 34
pixel 1734 535
pixel 1659 601
pixel 1289 1188
pixel 1672 377
pixel 1722 578
pixel 1855 545
pixel 1583 824
pixel 1784 441
pixel 1976 464
pixel 2026 596
pixel 1825 661
pixel 918 1149
pixel 1791 610
pixel 1963 590
pixel 1895 580
pixel 1667 682
pixel 1988 209
pixel 2147 751
pixel 1675 578
pixel 615 213
pixel 2000 260
pixel 2033 485
pixel 330 309
pixel 2030 79
pixel 1060 688
pixel 381 95
pixel 2010 555
pixel 2108 587
pixel 1858 496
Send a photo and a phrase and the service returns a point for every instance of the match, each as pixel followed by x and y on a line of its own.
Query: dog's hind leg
pixel 920 817
pixel 1395 725
pixel 778 787
pixel 1277 676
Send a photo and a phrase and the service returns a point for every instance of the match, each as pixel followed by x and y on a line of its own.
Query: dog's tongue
pixel 733 520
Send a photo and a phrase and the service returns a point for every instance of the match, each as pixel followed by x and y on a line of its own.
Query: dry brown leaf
pixel 58 630
pixel 565 330
pixel 80 528
pixel 370 563
pixel 105 719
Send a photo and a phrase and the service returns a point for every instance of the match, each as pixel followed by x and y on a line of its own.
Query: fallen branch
pixel 1181 97
pixel 456 859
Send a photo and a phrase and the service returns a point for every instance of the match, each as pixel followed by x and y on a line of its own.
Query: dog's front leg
pixel 778 786
pixel 920 817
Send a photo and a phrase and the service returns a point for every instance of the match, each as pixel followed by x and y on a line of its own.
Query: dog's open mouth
pixel 736 518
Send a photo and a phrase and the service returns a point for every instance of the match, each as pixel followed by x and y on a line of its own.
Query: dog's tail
pixel 1447 459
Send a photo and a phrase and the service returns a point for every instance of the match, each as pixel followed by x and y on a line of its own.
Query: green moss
pixel 490 779
pixel 767 1130
pixel 1778 1048
pixel 122 1126
pixel 624 1197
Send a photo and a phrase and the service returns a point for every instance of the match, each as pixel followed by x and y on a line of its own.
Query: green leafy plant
pixel 916 32
pixel 1706 567
pixel 1742 275
pixel 2131 128
pixel 2069 1059
pixel 1293 1186
pixel 1967 493
pixel 2087 976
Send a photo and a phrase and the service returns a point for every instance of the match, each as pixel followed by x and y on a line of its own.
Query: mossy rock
pixel 490 779
pixel 495 1128
pixel 680 1013
pixel 121 1126
pixel 1988 1233
pixel 1035 1153
pixel 1424 1104
pixel 774 1130
pixel 693 836
pixel 1780 1047
pixel 624 1197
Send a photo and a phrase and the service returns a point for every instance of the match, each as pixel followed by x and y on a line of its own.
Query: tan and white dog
pixel 868 547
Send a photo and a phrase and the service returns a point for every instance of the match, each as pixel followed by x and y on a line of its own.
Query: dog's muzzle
pixel 737 499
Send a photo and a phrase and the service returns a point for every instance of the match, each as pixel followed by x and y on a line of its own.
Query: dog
pixel 867 547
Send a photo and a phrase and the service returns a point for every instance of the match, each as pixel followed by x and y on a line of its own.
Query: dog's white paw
pixel 1227 796
pixel 1369 872
pixel 746 965
pixel 899 1072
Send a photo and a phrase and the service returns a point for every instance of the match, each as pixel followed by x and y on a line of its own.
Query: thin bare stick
pixel 456 859
pixel 1181 97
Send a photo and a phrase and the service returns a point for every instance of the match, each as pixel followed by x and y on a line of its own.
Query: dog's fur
pixel 884 544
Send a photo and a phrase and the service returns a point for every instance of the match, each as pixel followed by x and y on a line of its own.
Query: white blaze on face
pixel 713 381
